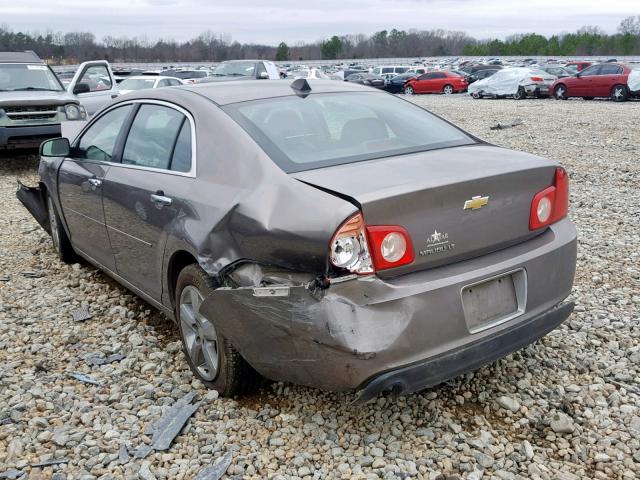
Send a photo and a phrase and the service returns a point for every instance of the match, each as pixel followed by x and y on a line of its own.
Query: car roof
pixel 19 57
pixel 224 93
pixel 144 77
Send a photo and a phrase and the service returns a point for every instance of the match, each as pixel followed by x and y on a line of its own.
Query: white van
pixel 389 71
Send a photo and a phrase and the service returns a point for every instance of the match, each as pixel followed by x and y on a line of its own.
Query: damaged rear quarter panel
pixel 302 335
pixel 242 207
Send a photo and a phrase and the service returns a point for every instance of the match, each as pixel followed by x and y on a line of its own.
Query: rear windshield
pixel 328 129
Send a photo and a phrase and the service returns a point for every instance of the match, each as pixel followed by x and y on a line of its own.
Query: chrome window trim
pixel 191 173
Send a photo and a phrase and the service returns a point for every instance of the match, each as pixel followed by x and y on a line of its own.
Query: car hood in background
pixel 224 79
pixel 35 97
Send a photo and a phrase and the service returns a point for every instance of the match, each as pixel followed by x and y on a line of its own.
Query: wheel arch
pixel 178 261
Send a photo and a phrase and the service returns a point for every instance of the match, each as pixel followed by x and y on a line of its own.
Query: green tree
pixel 332 48
pixel 282 54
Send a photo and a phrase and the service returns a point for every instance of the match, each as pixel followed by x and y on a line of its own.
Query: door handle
pixel 160 200
pixel 95 183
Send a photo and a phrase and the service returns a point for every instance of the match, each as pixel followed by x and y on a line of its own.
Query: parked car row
pixel 606 80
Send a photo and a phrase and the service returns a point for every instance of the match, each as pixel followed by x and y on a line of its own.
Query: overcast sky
pixel 272 21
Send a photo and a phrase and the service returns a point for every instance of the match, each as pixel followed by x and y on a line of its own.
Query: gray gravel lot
pixel 567 407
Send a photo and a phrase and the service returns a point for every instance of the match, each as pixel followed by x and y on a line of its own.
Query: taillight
pixel 364 249
pixel 552 203
pixel 390 246
pixel 537 79
pixel 349 247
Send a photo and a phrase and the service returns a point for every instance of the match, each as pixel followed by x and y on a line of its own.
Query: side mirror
pixel 81 88
pixel 263 76
pixel 56 147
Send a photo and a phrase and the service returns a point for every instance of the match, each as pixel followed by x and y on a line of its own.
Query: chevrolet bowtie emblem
pixel 475 203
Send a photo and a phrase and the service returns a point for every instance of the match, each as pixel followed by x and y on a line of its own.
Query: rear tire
pixel 560 92
pixel 447 89
pixel 619 93
pixel 408 90
pixel 476 95
pixel 521 94
pixel 61 242
pixel 211 357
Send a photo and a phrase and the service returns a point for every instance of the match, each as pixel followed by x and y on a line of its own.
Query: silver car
pixel 322 233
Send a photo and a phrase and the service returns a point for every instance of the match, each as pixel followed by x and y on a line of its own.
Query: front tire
pixel 476 95
pixel 408 90
pixel 447 89
pixel 619 93
pixel 211 357
pixel 61 242
pixel 560 92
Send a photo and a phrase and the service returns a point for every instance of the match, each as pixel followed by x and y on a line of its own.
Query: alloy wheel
pixel 408 91
pixel 448 89
pixel 200 336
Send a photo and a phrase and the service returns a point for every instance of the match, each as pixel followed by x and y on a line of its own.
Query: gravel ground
pixel 567 407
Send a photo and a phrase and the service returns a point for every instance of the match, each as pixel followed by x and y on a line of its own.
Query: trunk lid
pixel 426 193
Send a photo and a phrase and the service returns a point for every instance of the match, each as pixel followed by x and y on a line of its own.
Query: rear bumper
pixel 27 136
pixel 433 371
pixel 350 335
pixel 537 89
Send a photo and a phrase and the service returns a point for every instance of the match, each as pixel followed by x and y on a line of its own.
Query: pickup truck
pixel 34 103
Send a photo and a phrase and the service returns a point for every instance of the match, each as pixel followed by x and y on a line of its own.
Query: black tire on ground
pixel 619 93
pixel 588 98
pixel 521 94
pixel 448 89
pixel 234 375
pixel 560 92
pixel 61 242
pixel 476 95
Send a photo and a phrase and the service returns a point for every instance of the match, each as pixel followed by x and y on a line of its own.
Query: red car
pixel 601 80
pixel 436 82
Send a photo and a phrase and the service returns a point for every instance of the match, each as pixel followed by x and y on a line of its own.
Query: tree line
pixel 73 47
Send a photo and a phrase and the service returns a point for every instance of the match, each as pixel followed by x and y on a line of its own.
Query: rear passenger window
pixel 152 137
pixel 181 160
pixel 610 70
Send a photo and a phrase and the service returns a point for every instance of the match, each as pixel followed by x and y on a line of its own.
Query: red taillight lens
pixel 537 79
pixel 391 246
pixel 364 249
pixel 552 203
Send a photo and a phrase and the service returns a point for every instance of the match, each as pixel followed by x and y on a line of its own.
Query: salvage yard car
pixel 322 233
pixel 436 82
pixel 601 80
pixel 33 102
pixel 141 82
pixel 518 83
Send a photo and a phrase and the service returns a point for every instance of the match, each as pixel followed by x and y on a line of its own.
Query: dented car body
pixel 375 247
